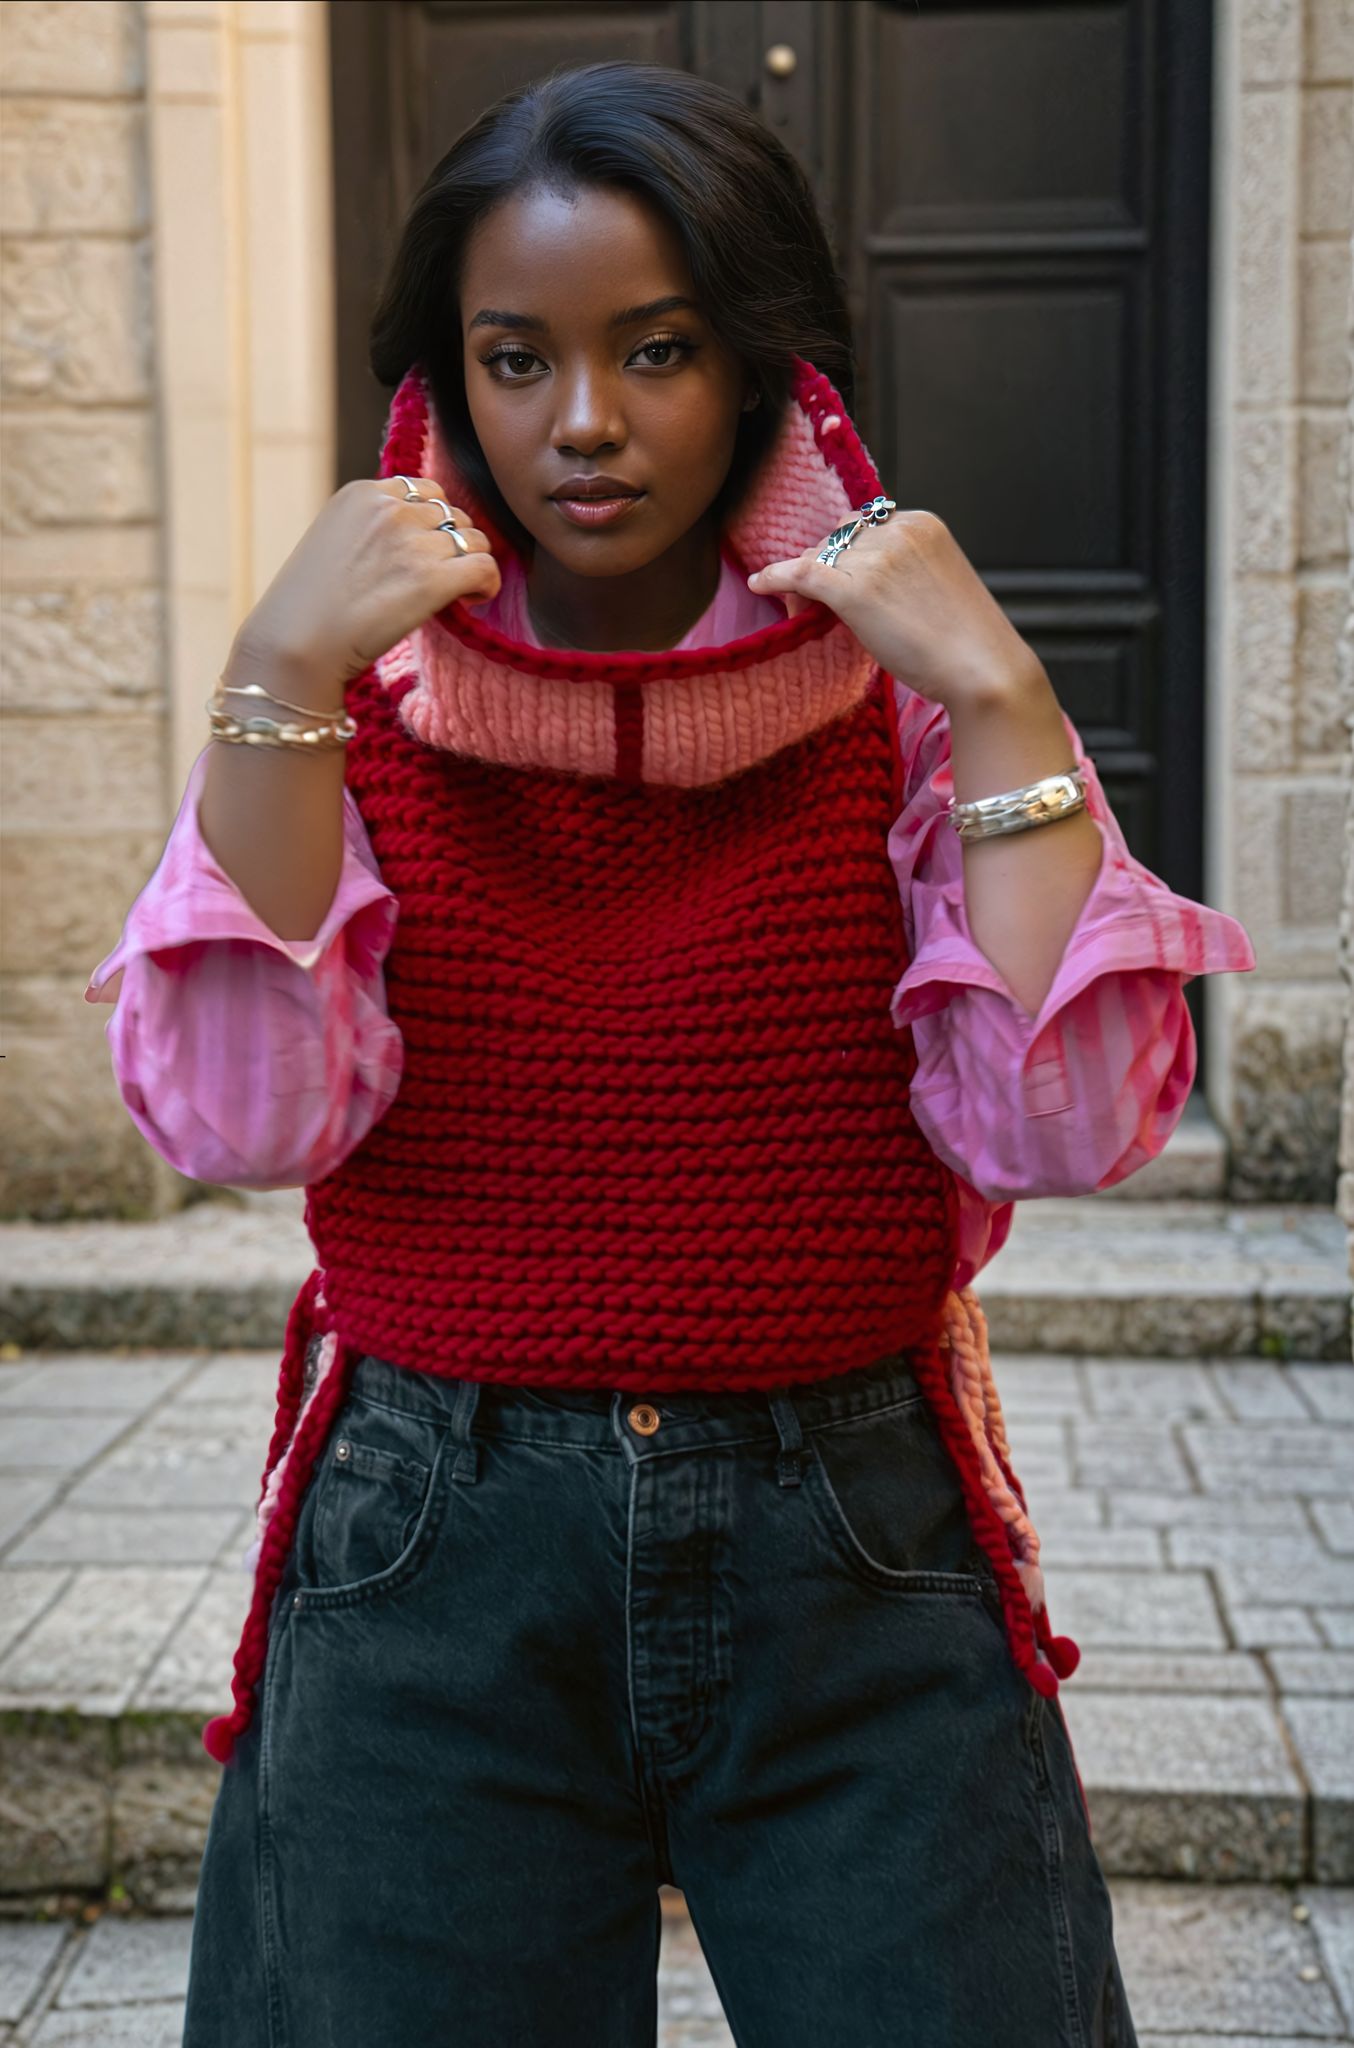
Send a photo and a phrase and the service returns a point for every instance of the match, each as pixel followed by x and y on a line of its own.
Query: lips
pixel 583 490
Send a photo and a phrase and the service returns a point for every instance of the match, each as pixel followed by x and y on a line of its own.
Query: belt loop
pixel 466 1464
pixel 790 1462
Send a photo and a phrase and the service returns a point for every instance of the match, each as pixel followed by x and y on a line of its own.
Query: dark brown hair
pixel 741 206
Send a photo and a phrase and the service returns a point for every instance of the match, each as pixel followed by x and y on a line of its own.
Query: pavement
pixel 1196 1508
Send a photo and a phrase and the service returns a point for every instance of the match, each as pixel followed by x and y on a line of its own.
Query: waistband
pixel 591 1417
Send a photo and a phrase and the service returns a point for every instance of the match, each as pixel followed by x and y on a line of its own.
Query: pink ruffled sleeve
pixel 1086 1092
pixel 246 1059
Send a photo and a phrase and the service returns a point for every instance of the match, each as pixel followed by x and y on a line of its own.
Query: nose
pixel 588 415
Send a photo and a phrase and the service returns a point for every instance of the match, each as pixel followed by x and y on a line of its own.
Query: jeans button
pixel 643 1418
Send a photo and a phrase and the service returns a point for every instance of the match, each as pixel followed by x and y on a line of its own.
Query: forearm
pixel 1023 891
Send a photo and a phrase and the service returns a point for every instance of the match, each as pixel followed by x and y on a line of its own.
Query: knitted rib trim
pixel 684 717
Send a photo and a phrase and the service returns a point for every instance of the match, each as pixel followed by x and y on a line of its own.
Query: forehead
pixel 583 253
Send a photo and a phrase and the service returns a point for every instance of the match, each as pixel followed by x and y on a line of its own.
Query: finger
pixel 803 575
pixel 394 487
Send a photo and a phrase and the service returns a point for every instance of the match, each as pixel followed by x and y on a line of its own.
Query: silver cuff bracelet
pixel 1016 810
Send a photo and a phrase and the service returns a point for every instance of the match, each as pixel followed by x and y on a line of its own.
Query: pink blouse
pixel 249 1060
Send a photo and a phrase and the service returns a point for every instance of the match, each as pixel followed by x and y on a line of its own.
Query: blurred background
pixel 1099 258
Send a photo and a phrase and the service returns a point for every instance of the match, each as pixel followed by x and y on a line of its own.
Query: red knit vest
pixel 653 1129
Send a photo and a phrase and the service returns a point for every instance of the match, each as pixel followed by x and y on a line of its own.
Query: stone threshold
pixel 1092 1276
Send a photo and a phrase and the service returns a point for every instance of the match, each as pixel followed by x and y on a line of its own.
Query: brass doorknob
pixel 780 60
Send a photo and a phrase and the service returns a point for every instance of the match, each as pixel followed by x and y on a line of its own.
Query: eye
pixel 673 348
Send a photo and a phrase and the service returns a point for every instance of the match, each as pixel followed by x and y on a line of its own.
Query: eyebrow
pixel 531 323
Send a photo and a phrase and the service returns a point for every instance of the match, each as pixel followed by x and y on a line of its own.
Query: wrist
pixel 1015 688
pixel 300 675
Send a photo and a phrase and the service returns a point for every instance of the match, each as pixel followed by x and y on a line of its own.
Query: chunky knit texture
pixel 653 1130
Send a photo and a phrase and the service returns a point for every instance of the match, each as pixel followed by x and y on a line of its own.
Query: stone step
pixel 1164 1278
pixel 1197 1542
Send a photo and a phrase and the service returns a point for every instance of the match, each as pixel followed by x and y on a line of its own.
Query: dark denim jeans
pixel 538 1650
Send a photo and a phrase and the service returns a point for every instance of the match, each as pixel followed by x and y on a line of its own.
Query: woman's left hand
pixel 914 600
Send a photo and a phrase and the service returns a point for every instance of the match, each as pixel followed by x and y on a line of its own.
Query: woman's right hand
pixel 368 569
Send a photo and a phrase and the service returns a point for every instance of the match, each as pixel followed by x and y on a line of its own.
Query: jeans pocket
pixel 888 1495
pixel 368 1520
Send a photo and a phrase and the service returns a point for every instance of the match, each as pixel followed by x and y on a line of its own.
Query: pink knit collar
pixel 687 717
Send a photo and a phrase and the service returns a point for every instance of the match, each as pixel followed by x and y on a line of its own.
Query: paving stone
pixel 128 1957
pixel 1335 1523
pixel 55 1790
pixel 1317 1671
pixel 1151 1387
pixel 192 1672
pixel 1063 1507
pixel 1185 1786
pixel 1337 1626
pixel 1221 1961
pixel 1134 1609
pixel 1299 1458
pixel 1332 1919
pixel 1207 1510
pixel 177 1465
pixel 233 1376
pixel 139 2026
pixel 1323 1733
pixel 96 1381
pixel 28 1948
pixel 58 1442
pixel 1262 1567
pixel 1273 1628
pixel 89 1649
pixel 72 1535
pixel 1114 1454
pixel 1227 1671
pixel 1098 1546
pixel 1327 1387
pixel 1256 1390
pixel 23 1497
pixel 23 1597
pixel 689 2011
pixel 1033 1385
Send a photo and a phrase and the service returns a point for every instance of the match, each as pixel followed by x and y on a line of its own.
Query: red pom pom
pixel 1043 1679
pixel 1063 1654
pixel 218 1738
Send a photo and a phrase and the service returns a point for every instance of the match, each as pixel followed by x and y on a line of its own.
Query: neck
pixel 652 607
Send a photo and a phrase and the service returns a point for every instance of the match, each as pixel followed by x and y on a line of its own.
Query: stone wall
pixel 81 626
pixel 1289 588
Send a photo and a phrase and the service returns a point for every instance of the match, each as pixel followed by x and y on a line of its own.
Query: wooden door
pixel 1018 197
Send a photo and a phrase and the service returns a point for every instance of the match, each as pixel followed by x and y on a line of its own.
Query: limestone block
pixel 75 650
pixel 80 557
pixel 1265 637
pixel 73 167
pixel 1330 40
pixel 1327 160
pixel 1321 710
pixel 66 897
pixel 1266 476
pixel 1271 41
pixel 75 321
pixel 164 1784
pixel 1323 271
pixel 1324 490
pixel 1287 1052
pixel 69 775
pixel 79 47
pixel 1313 820
pixel 69 468
pixel 67 1144
pixel 1266 208
pixel 55 1787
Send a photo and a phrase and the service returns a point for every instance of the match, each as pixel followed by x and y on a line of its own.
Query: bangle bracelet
pixel 1016 810
pixel 257 690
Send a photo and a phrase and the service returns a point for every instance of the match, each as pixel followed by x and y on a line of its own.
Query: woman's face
pixel 567 375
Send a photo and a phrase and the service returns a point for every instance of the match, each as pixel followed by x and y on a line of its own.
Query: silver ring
pixel 409 491
pixel 872 513
pixel 448 525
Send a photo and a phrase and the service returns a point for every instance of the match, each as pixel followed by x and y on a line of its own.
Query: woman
pixel 661 1065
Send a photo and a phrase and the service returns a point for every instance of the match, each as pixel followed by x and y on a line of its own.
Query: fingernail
pixel 755 577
